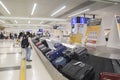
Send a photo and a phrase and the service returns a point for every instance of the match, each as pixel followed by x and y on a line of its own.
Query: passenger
pixel 25 43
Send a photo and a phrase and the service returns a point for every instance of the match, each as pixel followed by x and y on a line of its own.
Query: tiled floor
pixel 10 62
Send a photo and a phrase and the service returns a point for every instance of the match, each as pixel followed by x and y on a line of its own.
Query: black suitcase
pixel 76 70
pixel 116 66
pixel 68 54
pixel 80 53
pixel 45 50
pixel 44 42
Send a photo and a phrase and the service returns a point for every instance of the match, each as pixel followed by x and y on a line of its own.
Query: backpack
pixel 24 43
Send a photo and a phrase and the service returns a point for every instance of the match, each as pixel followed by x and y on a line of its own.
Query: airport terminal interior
pixel 59 39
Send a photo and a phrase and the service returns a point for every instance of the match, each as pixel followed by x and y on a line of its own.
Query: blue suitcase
pixel 59 63
pixel 57 45
pixel 55 54
pixel 51 55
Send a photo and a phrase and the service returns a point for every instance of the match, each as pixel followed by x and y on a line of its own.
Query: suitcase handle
pixel 77 63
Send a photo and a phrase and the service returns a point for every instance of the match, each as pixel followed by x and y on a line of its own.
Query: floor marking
pixel 13 68
pixel 23 70
pixel 10 53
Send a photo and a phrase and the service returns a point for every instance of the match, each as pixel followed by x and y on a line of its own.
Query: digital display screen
pixel 74 21
pixel 81 20
pixel 84 20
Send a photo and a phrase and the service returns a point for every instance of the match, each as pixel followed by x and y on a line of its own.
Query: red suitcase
pixel 38 43
pixel 109 76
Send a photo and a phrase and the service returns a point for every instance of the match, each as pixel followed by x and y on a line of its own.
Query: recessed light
pixel 34 7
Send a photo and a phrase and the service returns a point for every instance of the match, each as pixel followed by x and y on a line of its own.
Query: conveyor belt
pixel 100 64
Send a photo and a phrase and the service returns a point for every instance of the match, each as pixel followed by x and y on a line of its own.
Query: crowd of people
pixel 10 35
pixel 6 35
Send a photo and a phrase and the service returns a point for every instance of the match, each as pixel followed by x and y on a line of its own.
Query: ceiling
pixel 44 9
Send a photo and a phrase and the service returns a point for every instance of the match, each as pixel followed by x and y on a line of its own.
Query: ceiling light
pixel 58 10
pixel 34 7
pixel 29 22
pixel 2 21
pixel 79 12
pixel 16 22
pixel 5 7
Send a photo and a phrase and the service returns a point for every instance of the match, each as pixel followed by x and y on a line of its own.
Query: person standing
pixel 25 43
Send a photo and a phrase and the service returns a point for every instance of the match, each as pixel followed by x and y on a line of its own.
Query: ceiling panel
pixel 23 8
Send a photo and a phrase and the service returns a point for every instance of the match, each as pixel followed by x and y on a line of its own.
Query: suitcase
pixel 109 76
pixel 116 66
pixel 76 70
pixel 55 54
pixel 59 63
pixel 61 48
pixel 68 54
pixel 41 46
pixel 45 50
pixel 57 45
pixel 51 55
pixel 80 53
pixel 118 61
pixel 38 43
pixel 44 42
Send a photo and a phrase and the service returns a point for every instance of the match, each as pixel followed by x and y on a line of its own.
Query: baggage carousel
pixel 94 58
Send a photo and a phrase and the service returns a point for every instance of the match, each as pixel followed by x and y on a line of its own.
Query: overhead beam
pixel 24 25
pixel 28 18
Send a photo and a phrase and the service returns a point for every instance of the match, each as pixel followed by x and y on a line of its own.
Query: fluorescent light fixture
pixel 5 7
pixel 29 22
pixel 58 10
pixel 34 7
pixel 16 22
pixel 79 12
pixel 2 21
